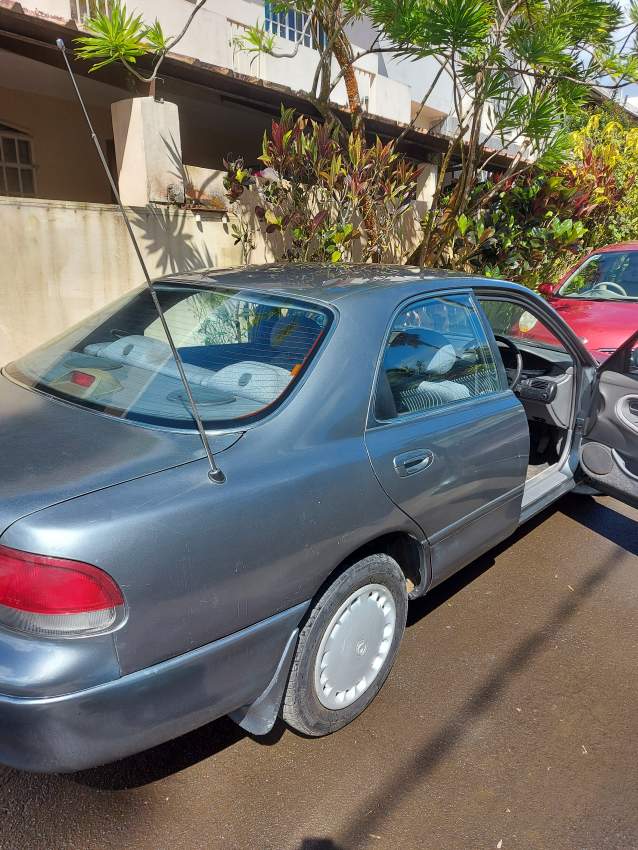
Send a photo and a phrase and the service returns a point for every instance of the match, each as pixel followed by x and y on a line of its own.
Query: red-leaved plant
pixel 331 197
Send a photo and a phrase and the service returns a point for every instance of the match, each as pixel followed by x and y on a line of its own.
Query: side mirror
pixel 548 289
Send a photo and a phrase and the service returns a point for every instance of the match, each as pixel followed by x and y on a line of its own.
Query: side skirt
pixel 545 491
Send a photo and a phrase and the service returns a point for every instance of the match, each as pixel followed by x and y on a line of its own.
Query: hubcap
pixel 354 646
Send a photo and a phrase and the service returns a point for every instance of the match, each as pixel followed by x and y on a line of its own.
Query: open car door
pixel 609 452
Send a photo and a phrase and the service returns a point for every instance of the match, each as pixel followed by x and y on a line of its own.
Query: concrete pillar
pixel 426 185
pixel 148 150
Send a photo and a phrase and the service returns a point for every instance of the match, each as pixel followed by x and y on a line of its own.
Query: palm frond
pixel 118 36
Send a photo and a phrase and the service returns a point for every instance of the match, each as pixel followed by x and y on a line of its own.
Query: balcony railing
pixel 81 9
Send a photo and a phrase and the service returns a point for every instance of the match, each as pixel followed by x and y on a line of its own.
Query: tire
pixel 368 602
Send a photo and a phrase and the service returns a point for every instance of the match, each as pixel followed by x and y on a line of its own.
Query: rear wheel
pixel 347 647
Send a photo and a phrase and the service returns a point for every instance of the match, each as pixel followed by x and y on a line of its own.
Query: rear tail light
pixel 53 596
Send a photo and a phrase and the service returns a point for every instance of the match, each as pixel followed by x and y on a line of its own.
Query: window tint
pixel 518 324
pixel 437 354
pixel 241 351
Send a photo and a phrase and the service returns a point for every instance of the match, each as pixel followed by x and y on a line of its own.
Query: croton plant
pixel 330 196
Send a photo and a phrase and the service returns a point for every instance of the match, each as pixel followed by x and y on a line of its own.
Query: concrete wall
pixel 67 165
pixel 61 261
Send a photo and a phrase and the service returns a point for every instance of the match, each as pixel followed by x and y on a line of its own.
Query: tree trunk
pixel 330 20
pixel 428 252
pixel 344 55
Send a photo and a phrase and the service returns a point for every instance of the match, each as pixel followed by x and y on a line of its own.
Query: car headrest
pixel 148 353
pixel 257 381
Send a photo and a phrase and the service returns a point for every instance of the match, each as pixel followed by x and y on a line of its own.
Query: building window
pixel 17 171
pixel 291 25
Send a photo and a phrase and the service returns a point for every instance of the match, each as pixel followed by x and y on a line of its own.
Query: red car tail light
pixel 54 596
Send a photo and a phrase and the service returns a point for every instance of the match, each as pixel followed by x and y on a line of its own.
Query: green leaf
pixel 155 37
pixel 255 40
pixel 426 27
pixel 114 37
pixel 463 224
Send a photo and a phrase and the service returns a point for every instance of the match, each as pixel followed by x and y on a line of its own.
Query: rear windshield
pixel 242 352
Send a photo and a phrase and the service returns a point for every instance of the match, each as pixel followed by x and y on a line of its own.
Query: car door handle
pixel 409 463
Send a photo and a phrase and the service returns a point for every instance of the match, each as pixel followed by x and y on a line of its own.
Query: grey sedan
pixel 377 429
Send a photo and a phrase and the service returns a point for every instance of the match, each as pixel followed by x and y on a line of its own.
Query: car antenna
pixel 215 474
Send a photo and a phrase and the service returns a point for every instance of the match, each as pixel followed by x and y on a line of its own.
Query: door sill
pixel 545 488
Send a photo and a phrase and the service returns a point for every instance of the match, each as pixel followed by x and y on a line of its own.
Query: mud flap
pixel 259 717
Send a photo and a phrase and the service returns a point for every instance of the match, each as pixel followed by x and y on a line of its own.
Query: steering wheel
pixel 609 284
pixel 513 375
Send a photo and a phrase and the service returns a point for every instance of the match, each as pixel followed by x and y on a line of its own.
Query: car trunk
pixel 51 451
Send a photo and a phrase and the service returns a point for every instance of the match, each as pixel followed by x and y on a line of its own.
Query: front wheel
pixel 347 647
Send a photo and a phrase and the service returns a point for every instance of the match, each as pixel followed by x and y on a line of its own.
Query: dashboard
pixel 545 388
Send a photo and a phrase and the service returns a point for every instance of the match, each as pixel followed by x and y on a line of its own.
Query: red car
pixel 598 298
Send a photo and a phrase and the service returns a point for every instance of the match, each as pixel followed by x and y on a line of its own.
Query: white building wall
pixel 418 76
pixel 390 86
pixel 631 103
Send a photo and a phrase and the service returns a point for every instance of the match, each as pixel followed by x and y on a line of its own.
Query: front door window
pixel 513 320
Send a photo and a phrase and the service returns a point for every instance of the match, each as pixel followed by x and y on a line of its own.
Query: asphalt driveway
pixel 509 722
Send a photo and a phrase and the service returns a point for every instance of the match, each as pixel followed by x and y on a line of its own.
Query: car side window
pixel 437 354
pixel 513 321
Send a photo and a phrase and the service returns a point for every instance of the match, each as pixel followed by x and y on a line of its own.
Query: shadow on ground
pixel 170 758
pixel 319 844
pixel 378 807
pixel 598 517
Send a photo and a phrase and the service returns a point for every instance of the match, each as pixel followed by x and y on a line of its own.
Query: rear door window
pixel 437 354
pixel 242 352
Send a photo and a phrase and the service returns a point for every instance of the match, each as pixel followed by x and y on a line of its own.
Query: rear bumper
pixel 146 708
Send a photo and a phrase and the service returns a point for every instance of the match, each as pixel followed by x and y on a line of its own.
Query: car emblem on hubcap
pixel 354 646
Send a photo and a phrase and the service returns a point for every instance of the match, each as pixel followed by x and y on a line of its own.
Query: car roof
pixel 618 246
pixel 331 282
